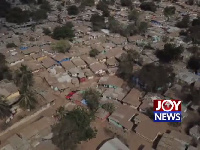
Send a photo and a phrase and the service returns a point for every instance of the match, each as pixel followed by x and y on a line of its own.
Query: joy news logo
pixel 167 111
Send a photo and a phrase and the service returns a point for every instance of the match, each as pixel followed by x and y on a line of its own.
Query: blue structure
pixel 156 22
pixel 23 48
pixel 84 102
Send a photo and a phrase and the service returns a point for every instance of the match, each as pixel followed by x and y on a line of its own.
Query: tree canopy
pixel 133 15
pixel 92 98
pixel 4 8
pixel 4 108
pixel 73 10
pixel 104 8
pixel 170 52
pixel 11 45
pixel 63 32
pixel 73 128
pixel 109 107
pixel 156 77
pixel 184 23
pixel 169 11
pixel 148 6
pixel 39 14
pixel 16 15
pixel 61 46
pixel 5 73
pixel 98 22
pixel 194 63
pixel 127 3
pixel 93 52
pixel 125 69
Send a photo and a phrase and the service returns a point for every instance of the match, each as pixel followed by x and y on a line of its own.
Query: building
pixel 122 116
pixel 98 68
pixel 133 98
pixel 195 132
pixel 9 91
pixel 114 144
pixel 110 82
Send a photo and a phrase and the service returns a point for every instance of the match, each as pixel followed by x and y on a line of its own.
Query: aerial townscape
pixel 84 74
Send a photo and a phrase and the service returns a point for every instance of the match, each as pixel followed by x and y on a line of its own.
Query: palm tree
pixel 27 99
pixel 24 77
pixel 4 108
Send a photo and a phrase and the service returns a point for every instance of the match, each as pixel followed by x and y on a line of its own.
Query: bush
pixel 87 3
pixel 109 107
pixel 170 52
pixel 126 3
pixel 94 52
pixel 194 63
pixel 46 31
pixel 4 8
pixel 169 11
pixel 148 6
pixel 62 46
pixel 104 8
pixel 45 5
pixel 16 15
pixel 63 32
pixel 73 10
pixel 11 45
pixel 184 23
pixel 98 22
pixel 39 14
pixel 133 15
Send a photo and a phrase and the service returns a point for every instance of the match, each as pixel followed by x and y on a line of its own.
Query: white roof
pixel 114 144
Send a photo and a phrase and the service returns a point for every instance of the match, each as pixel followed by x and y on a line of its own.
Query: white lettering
pixel 164 116
pixel 158 116
pixel 159 105
pixel 171 115
pixel 176 104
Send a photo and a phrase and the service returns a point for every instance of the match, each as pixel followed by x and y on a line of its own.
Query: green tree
pixel 93 52
pixel 170 52
pixel 126 63
pixel 196 22
pixel 73 10
pixel 63 32
pixel 11 45
pixel 87 3
pixel 16 15
pixel 4 108
pixel 39 14
pixel 126 3
pixel 143 27
pixel 114 25
pixel 62 46
pixel 27 98
pixel 5 73
pixel 45 5
pixel 104 8
pixel 169 11
pixel 98 22
pixel 109 107
pixel 184 23
pixel 23 77
pixel 148 6
pixel 46 31
pixel 4 8
pixel 92 98
pixel 73 129
pixel 154 79
pixel 194 63
pixel 194 34
pixel 134 15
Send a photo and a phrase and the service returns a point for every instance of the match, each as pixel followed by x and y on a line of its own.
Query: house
pixel 181 137
pixel 9 91
pixel 133 98
pixel 110 82
pixel 118 40
pixel 48 62
pixel 78 62
pixel 59 58
pixel 98 68
pixel 102 114
pixel 167 142
pixel 89 60
pixel 115 94
pixel 114 144
pixel 88 73
pixel 175 92
pixel 135 39
pixel 112 62
pixel 122 116
pixel 197 85
pixel 74 72
pixel 148 129
pixel 33 65
pixel 67 65
pixel 14 58
pixel 187 77
pixel 112 71
pixel 39 56
pixel 115 52
pixel 195 132
pixel 31 50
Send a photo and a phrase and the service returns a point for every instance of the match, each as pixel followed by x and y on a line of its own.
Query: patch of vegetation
pixel 169 11
pixel 109 107
pixel 11 45
pixel 98 22
pixel 104 8
pixel 73 10
pixel 93 52
pixel 148 6
pixel 184 23
pixel 46 31
pixel 62 46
